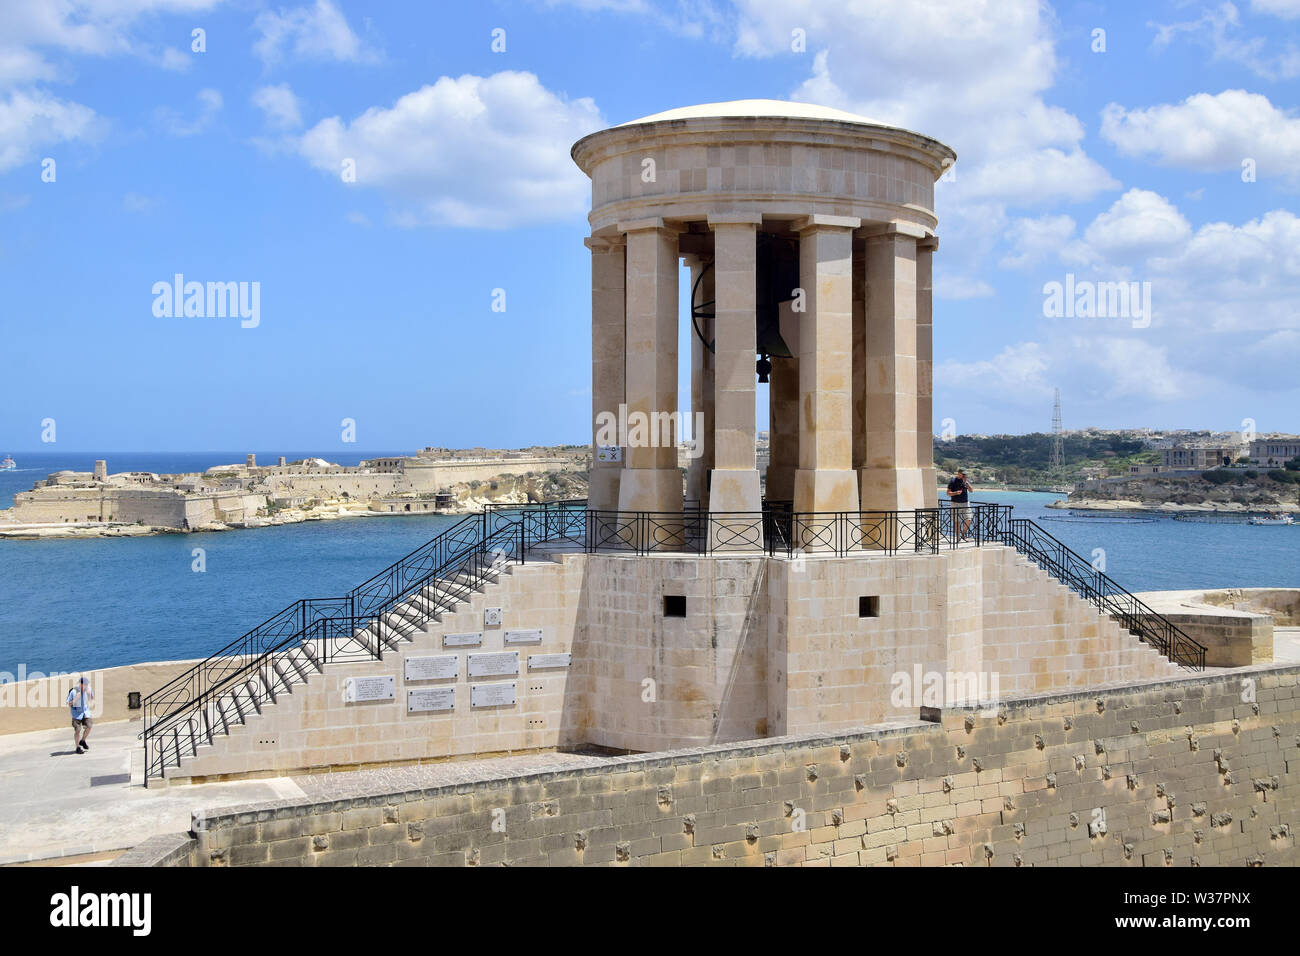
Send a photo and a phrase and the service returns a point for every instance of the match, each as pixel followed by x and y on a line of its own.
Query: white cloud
pixel 34 34
pixel 1018 370
pixel 1219 30
pixel 971 74
pixel 316 32
pixel 176 61
pixel 1037 176
pixel 279 105
pixel 1036 239
pixel 178 124
pixel 1219 278
pixel 1137 225
pixel 32 120
pixel 957 287
pixel 689 18
pixel 472 151
pixel 1286 9
pixel 84 27
pixel 1133 368
pixel 1210 133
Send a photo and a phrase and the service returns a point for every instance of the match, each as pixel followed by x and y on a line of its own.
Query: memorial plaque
pixel 430 698
pixel 494 665
pixel 462 640
pixel 492 617
pixel 537 662
pixel 492 695
pixel 524 637
pixel 439 667
pixel 357 689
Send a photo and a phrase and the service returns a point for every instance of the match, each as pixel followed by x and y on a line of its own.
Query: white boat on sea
pixel 1277 519
pixel 8 464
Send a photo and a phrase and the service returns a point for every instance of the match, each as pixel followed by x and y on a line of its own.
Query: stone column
pixel 925 249
pixel 859 354
pixel 890 477
pixel 651 480
pixel 608 337
pixel 734 484
pixel 783 403
pixel 702 368
pixel 825 480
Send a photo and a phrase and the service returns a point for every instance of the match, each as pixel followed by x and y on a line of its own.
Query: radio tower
pixel 1058 437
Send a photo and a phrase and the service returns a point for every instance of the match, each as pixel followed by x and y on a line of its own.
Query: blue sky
pixel 224 165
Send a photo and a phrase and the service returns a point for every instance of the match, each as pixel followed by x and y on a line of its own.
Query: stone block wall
pixel 313 727
pixel 767 647
pixel 1193 772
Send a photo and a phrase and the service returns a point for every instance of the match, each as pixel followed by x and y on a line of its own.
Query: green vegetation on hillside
pixel 1025 459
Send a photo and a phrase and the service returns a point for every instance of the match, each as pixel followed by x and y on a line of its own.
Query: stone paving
pixel 55 803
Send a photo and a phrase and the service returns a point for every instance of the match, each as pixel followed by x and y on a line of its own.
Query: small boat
pixel 1272 519
pixel 8 464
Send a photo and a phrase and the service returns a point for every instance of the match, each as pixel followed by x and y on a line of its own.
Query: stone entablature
pixel 754 159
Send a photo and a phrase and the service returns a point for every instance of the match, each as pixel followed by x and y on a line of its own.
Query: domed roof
pixel 779 109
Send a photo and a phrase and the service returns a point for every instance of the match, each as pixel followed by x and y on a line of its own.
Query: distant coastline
pixel 71 504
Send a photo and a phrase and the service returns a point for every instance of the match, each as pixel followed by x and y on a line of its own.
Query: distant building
pixel 1199 456
pixel 1274 450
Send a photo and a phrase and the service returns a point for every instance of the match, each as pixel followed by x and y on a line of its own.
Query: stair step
pixel 279 673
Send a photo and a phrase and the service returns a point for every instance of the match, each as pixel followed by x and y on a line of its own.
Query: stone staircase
pixel 245 678
pixel 200 734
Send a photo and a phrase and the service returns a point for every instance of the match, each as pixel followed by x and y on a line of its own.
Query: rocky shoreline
pixel 1168 507
pixel 511 490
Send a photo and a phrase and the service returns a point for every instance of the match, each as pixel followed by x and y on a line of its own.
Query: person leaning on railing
pixel 959 491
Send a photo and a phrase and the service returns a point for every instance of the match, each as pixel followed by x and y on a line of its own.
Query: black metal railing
pixel 1077 573
pixel 779 530
pixel 400 600
pixel 249 672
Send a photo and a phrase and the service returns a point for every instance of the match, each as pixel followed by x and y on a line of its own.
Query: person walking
pixel 959 490
pixel 80 700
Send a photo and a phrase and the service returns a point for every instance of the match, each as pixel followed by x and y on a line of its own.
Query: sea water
pixel 85 604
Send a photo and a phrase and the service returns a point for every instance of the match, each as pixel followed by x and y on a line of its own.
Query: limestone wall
pixel 767 646
pixel 38 703
pixel 158 507
pixel 1234 624
pixel 1193 772
pixel 314 728
pixel 654 681
pixel 426 477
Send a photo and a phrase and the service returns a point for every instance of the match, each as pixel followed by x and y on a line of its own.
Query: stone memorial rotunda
pixel 810 234
pixel 680 607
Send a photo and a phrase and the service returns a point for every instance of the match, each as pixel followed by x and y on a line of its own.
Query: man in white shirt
pixel 80 699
